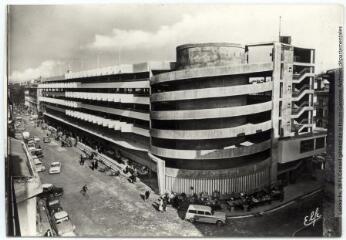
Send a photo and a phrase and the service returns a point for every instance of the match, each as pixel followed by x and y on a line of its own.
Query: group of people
pixel 93 160
pixel 165 200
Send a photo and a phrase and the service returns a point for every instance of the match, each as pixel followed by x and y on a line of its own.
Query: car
pixel 32 150
pixel 31 144
pixel 53 205
pixel 36 152
pixel 46 140
pixel 51 190
pixel 55 167
pixel 38 164
pixel 63 224
pixel 37 139
pixel 201 213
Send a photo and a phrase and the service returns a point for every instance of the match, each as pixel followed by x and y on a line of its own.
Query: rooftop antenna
pixel 279 28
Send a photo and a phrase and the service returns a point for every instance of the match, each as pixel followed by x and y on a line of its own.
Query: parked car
pixel 46 140
pixel 31 144
pixel 50 190
pixel 201 213
pixel 36 151
pixel 38 164
pixel 53 205
pixel 63 224
pixel 55 167
pixel 37 139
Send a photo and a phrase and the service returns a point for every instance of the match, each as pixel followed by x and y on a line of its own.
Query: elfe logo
pixel 313 218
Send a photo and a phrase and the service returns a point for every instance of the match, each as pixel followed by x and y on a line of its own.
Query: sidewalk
pixel 293 193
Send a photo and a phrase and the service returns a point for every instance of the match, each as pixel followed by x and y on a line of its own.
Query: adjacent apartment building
pixel 223 117
pixel 30 97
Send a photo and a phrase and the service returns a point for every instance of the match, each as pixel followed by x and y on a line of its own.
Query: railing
pixel 301 90
pixel 296 109
pixel 60 102
pixel 301 73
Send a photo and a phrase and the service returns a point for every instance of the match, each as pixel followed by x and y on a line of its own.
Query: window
pixel 192 211
pixel 280 108
pixel 307 146
pixel 281 88
pixel 208 213
pixel 320 143
pixel 200 212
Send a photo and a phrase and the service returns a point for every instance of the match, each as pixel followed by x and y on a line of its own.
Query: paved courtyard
pixel 114 207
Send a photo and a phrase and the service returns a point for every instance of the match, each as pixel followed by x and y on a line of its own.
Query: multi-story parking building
pixel 108 107
pixel 233 118
pixel 224 117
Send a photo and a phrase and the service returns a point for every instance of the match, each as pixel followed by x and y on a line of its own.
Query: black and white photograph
pixel 172 119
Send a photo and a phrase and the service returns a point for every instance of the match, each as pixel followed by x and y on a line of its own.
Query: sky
pixel 47 40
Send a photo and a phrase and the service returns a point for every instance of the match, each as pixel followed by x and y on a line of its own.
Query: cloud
pixel 45 69
pixel 229 23
pixel 214 25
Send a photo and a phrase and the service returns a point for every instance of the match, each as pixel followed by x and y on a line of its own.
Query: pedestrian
pixel 160 205
pixel 96 164
pixel 146 195
pixel 164 204
pixel 84 190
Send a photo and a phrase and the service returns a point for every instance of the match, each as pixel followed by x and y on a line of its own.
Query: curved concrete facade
pixel 202 115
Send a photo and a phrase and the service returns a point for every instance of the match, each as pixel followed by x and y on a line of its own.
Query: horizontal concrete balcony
pixel 211 154
pixel 119 112
pixel 212 113
pixel 60 85
pixel 211 72
pixel 109 123
pixel 134 84
pixel 120 142
pixel 246 129
pixel 62 102
pixel 109 97
pixel 212 92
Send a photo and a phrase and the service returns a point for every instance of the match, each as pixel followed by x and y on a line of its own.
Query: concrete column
pixel 160 172
pixel 275 111
pixel 160 166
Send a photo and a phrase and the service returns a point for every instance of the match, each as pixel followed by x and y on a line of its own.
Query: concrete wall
pixel 27 217
pixel 290 149
pixel 209 54
pixel 260 54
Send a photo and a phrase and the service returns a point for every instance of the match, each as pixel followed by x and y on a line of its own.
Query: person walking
pixel 84 190
pixel 146 195
pixel 160 204
pixel 164 204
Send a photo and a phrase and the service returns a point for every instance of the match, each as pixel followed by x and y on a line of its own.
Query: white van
pixel 201 213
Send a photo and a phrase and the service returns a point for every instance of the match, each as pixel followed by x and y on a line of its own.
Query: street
pixel 114 207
